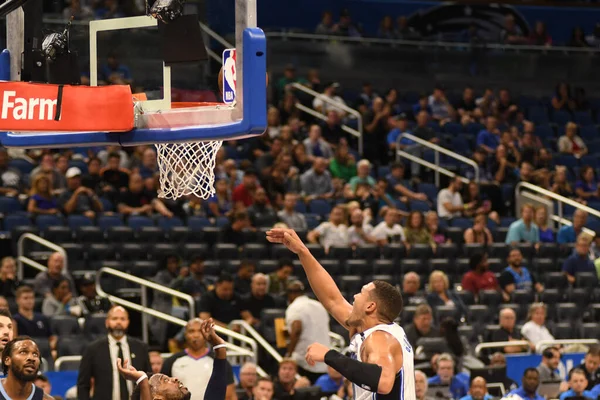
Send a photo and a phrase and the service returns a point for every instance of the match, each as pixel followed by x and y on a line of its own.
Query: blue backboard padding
pixel 254 121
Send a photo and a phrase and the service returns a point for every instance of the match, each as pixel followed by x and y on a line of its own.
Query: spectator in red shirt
pixel 244 192
pixel 479 277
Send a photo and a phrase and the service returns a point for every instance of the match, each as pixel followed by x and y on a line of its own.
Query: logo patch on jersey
pixel 229 76
pixel 366 387
pixel 408 347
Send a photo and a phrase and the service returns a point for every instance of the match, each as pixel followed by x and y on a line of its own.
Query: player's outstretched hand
pixel 128 371
pixel 316 353
pixel 207 328
pixel 287 237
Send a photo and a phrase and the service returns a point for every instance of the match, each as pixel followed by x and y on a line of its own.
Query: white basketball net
pixel 187 169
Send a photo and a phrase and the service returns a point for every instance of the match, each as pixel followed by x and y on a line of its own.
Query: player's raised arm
pixel 320 281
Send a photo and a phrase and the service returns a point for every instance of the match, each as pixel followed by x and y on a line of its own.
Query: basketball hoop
pixel 187 169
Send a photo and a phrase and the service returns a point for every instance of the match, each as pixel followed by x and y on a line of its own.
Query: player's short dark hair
pixel 285 262
pixel 576 370
pixel 43 378
pixel 8 349
pixel 388 299
pixel 530 369
pixel 594 350
pixel 225 277
pixel 5 312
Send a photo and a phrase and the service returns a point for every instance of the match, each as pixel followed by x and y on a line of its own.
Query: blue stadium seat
pixel 166 223
pixel 10 205
pixel 474 128
pixel 320 207
pixel 89 234
pixel 109 221
pixel 453 128
pixel 417 205
pixel 120 234
pixel 24 166
pixel 561 117
pixel 221 222
pixel 197 223
pixel 301 207
pixel 538 114
pixel 45 221
pixel 544 131
pixel 429 189
pixel 567 160
pixel 137 222
pixel 57 233
pixel 77 221
pixel 584 118
pixel 312 220
pixel 463 223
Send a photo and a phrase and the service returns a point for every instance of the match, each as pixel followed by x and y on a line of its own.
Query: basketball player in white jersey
pixel 382 366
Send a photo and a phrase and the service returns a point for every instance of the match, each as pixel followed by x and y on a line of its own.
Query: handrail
pixel 432 43
pixel 554 196
pixel 545 343
pixel 437 149
pixel 145 310
pixel 334 103
pixel 323 117
pixel 494 345
pixel 21 259
pixel 258 337
pixel 337 341
pixel 60 360
pixel 216 36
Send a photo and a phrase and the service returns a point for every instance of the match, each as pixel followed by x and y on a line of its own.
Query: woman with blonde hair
pixel 535 329
pixel 42 201
pixel 440 294
pixel 416 232
pixel 541 220
pixel 479 233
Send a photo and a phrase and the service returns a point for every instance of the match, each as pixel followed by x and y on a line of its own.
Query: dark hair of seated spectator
pixel 224 277
pixel 449 331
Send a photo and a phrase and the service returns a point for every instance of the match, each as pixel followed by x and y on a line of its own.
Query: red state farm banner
pixel 62 108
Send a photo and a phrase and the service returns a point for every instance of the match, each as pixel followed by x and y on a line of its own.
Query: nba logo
pixel 229 76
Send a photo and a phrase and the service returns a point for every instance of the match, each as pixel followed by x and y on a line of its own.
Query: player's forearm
pixel 369 376
pixel 145 390
pixel 320 281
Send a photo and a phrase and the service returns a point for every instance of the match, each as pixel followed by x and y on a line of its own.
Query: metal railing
pixel 560 199
pixel 358 133
pixel 436 164
pixel 145 310
pixel 23 260
pixel 545 343
pixel 432 43
pixel 496 345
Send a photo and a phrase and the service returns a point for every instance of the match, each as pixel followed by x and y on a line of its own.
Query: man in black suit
pixel 100 358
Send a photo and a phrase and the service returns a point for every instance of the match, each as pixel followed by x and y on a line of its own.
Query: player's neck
pixel 15 388
pixel 368 323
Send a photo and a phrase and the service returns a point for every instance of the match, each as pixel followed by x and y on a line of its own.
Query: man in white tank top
pixel 382 364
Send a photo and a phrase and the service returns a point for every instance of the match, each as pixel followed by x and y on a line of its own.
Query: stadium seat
pixel 567 312
pixel 543 265
pixel 64 325
pixel 100 251
pixel 351 283
pixel 446 265
pixel 453 128
pixel 78 221
pixel 57 234
pixel 432 345
pixel 120 234
pixel 196 224
pixel 160 251
pixel 555 280
pixel 413 265
pixel 561 117
pixel 386 278
pixel 472 248
pixel 75 253
pixel 551 296
pixel 45 221
pixel 522 297
pixel 586 280
pixel 24 166
pixel 71 346
pixel 109 221
pixel 118 265
pixel 166 223
pixel 333 267
pixel 490 298
pixel 478 314
pixel 133 252
pixel 519 309
pixel 19 225
pixel 340 253
pixel 548 250
pixel 320 207
pixel 386 267
pixel 359 267
pixel 267 266
pixel 467 297
pixel 226 251
pixel 267 322
pixel 455 234
pixel 10 205
pixel 420 251
pixel 468 333
pixel 418 205
pixel 579 296
pixel 255 251
pixel 447 250
pixel 367 252
pixel 144 269
pixel 68 365
pixel 393 251
pixel 429 189
pixel 443 312
pixel 527 250
pixel 315 249
pixel 564 330
pixel 149 234
pixel 590 330
pixel 183 234
pixel 44 347
pixel 407 314
pixel 496 265
pixel 488 332
pixel 137 222
pixel 584 118
pixel 89 234
pixel 462 266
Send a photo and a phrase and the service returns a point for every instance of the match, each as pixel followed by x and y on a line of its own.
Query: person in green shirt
pixel 289 77
pixel 343 164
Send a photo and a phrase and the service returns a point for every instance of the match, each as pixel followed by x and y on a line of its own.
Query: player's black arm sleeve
pixel 360 373
pixel 217 385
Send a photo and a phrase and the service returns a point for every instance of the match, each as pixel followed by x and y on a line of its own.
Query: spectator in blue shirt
pixel 579 261
pixel 530 383
pixel 568 234
pixel 330 382
pixel 523 230
pixel 459 383
pixel 577 383
pixel 113 72
pixel 478 390
pixel 489 138
pixel 400 127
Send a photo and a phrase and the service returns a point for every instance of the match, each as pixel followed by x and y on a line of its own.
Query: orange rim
pixel 195 104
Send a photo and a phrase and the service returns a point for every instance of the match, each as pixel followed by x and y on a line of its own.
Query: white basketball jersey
pixel 404 385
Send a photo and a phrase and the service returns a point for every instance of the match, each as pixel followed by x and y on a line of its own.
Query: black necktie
pixel 122 381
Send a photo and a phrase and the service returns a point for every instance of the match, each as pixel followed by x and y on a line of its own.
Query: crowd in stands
pixel 510 33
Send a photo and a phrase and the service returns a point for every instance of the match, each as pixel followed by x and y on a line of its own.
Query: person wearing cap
pixel 400 125
pixel 289 77
pixel 323 106
pixel 78 199
pixel 307 322
pixel 89 301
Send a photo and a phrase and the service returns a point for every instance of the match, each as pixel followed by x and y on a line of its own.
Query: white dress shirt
pixel 114 354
